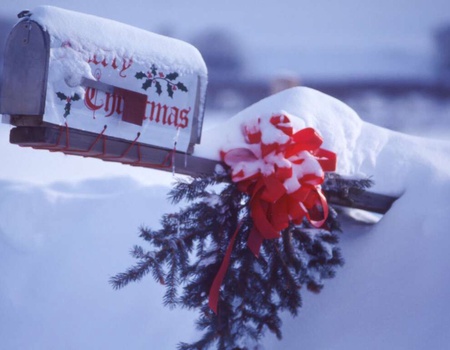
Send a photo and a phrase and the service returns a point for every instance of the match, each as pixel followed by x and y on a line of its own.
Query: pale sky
pixel 356 24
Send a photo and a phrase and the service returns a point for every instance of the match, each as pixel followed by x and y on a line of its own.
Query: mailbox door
pixel 25 70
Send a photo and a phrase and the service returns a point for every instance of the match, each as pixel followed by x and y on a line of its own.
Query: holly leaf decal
pixel 61 96
pixel 155 78
pixel 181 87
pixel 140 75
pixel 75 97
pixel 169 90
pixel 66 110
pixel 147 84
pixel 172 76
pixel 158 88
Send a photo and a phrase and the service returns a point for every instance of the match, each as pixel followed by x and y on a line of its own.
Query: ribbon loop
pixel 274 202
pixel 281 186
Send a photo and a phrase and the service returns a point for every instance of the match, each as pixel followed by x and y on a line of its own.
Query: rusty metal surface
pixel 86 144
pixel 81 143
pixel 369 201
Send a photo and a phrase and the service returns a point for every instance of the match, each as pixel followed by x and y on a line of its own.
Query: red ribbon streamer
pixel 272 207
pixel 214 291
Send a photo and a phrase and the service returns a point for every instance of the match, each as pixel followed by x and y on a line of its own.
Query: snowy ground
pixel 67 224
pixel 59 244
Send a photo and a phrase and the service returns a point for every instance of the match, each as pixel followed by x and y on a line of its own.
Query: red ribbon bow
pixel 282 172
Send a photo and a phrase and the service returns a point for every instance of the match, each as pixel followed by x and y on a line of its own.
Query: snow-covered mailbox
pixel 90 86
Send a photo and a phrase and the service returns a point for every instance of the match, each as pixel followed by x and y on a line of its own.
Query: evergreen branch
pixel 170 297
pixel 132 274
pixel 193 188
pixel 186 253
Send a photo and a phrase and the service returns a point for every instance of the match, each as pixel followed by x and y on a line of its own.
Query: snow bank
pixel 393 160
pixel 392 293
pixel 60 243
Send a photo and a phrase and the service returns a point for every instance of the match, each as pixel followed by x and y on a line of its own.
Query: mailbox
pixel 86 85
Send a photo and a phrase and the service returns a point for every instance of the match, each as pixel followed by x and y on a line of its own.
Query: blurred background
pixel 389 59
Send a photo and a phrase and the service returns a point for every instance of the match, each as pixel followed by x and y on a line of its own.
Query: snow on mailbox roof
pixel 95 34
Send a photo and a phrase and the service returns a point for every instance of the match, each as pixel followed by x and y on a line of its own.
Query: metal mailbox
pixel 96 87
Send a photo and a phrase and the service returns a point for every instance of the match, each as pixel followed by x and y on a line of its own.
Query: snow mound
pixel 393 160
pixel 59 243
pixel 392 293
